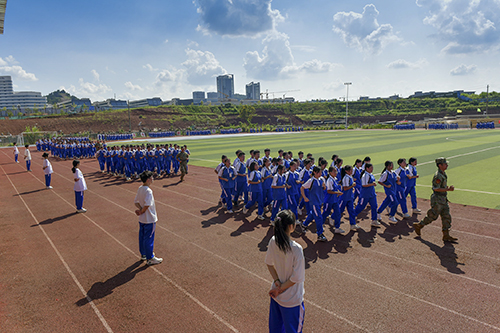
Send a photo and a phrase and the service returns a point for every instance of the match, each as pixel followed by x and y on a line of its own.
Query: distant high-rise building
pixel 253 90
pixel 225 86
pixel 198 96
pixel 19 100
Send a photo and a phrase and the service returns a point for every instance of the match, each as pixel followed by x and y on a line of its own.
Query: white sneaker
pixel 154 261
pixel 330 221
pixel 339 231
pixel 83 210
pixel 355 227
pixel 299 211
pixel 416 210
pixel 230 211
pixel 245 210
pixel 376 223
pixel 393 219
pixel 379 217
pixel 406 215
pixel 322 238
pixel 260 217
pixel 266 209
pixel 49 187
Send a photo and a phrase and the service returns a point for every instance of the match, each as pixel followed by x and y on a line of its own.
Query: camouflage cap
pixel 441 160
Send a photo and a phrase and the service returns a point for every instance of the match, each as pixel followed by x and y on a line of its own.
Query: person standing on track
pixel 47 168
pixel 27 157
pixel 16 152
pixel 79 187
pixel 439 202
pixel 145 202
pixel 285 261
pixel 411 173
pixel 182 158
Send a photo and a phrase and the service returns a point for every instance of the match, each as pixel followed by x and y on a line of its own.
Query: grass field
pixel 473 155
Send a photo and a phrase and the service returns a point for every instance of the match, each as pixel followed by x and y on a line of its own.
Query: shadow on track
pixel 102 289
pixel 30 192
pixel 55 219
pixel 446 255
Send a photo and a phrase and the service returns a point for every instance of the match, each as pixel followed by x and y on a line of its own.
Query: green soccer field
pixel 473 155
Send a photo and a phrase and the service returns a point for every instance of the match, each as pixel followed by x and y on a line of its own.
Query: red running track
pixel 67 272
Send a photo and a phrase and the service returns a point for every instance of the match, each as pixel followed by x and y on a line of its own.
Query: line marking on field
pixel 463 189
pixel 65 264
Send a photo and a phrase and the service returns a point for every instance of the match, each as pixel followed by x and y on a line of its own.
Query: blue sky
pixel 137 49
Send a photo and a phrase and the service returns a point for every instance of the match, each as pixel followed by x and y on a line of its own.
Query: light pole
pixel 347 84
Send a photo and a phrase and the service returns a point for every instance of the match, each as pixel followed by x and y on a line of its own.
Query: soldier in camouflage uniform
pixel 182 157
pixel 439 202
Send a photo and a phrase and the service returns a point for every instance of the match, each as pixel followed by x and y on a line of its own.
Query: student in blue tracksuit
pixel 216 170
pixel 241 179
pixel 356 175
pixel 388 180
pixel 401 186
pixel 368 194
pixel 255 191
pixel 411 174
pixel 332 193
pixel 304 176
pixel 347 198
pixel 279 187
pixel 293 181
pixel 338 166
pixel 267 180
pixel 101 158
pixel 227 175
pixel 316 186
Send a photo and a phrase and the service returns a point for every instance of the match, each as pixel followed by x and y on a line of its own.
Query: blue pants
pixel 15 157
pixel 79 199
pixel 147 239
pixel 413 196
pixel 256 197
pixel 101 164
pixel 241 188
pixel 362 205
pixel 48 178
pixel 285 320
pixel 292 204
pixel 267 196
pixel 350 209
pixel 389 201
pixel 336 212
pixel 228 197
pixel 28 165
pixel 276 207
pixel 315 213
pixel 400 195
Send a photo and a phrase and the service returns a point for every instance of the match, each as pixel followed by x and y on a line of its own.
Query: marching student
pixel 316 187
pixel 241 179
pixel 411 173
pixel 16 152
pixel 27 157
pixel 293 181
pixel 338 166
pixel 367 159
pixel 346 200
pixel 285 261
pixel 79 187
pixel 333 191
pixel 216 170
pixel 388 181
pixel 267 180
pixel 356 175
pixel 304 176
pixel 47 168
pixel 401 186
pixel 145 202
pixel 255 191
pixel 227 175
pixel 279 187
pixel 368 194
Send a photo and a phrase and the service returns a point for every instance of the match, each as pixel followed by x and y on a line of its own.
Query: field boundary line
pixel 65 264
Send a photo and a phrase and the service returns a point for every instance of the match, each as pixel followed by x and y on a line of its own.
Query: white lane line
pixel 465 190
pixel 65 264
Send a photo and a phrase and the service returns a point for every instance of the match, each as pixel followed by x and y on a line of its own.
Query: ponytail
pixel 283 220
pixel 75 165
pixel 386 164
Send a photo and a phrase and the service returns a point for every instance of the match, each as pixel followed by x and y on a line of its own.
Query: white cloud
pixel 277 62
pixel 150 68
pixel 402 64
pixel 237 17
pixel 362 31
pixel 133 87
pixel 201 67
pixel 463 70
pixel 7 66
pixel 95 74
pixel 87 89
pixel 166 41
pixel 466 25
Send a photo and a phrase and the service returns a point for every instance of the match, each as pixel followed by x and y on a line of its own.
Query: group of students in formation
pixel 130 161
pixel 69 148
pixel 321 189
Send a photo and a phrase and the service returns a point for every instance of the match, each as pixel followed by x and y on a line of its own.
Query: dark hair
pixel 293 163
pixel 145 175
pixel 344 170
pixel 367 159
pixel 307 161
pixel 367 165
pixel 238 152
pixel 356 162
pixel 334 157
pixel 338 161
pixel 280 167
pixel 267 149
pixel 412 159
pixel 323 162
pixel 386 164
pixel 26 146
pixel 252 166
pixel 300 152
pixel 401 160
pixel 241 154
pixel 223 158
pixel 75 164
pixel 316 169
pixel 283 220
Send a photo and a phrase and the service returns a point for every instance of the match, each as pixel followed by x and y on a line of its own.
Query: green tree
pixel 247 112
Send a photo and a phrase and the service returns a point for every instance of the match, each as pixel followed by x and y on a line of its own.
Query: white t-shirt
pixel 16 151
pixel 290 265
pixel 48 170
pixel 144 197
pixel 27 154
pixel 80 185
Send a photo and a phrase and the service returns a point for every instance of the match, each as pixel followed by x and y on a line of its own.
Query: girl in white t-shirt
pixel 27 157
pixel 80 186
pixel 16 153
pixel 285 261
pixel 47 168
